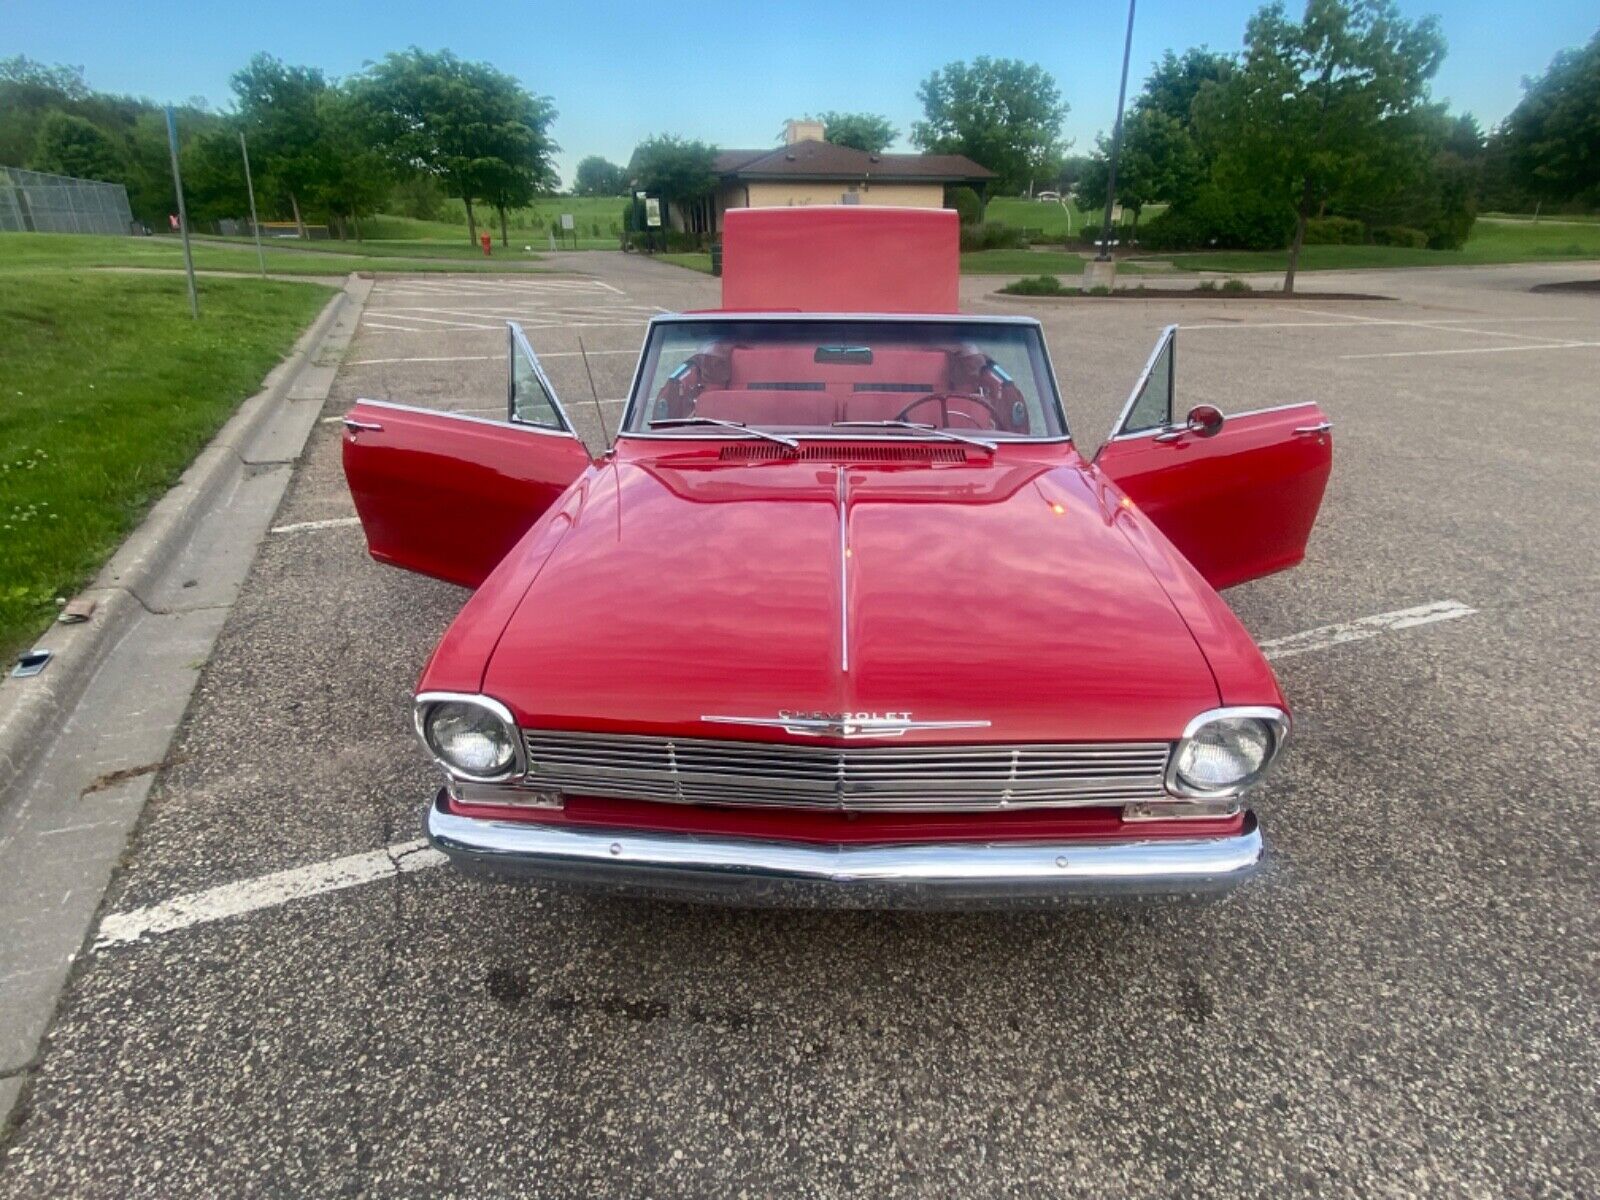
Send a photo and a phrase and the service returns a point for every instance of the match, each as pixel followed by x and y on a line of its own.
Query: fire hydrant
pixel 483 240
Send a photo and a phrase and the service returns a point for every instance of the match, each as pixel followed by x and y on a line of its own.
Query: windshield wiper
pixel 669 422
pixel 916 427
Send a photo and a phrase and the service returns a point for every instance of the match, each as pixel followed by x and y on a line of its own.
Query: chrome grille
pixel 864 778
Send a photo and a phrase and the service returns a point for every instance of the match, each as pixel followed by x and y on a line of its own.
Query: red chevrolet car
pixel 843 617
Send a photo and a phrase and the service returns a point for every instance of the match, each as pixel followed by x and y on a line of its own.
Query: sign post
pixel 568 225
pixel 255 225
pixel 183 213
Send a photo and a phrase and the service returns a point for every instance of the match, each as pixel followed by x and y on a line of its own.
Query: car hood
pixel 996 592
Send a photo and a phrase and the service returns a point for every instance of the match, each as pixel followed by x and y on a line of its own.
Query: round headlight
pixel 469 737
pixel 1224 753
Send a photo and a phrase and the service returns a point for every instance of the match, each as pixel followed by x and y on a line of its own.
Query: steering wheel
pixel 944 408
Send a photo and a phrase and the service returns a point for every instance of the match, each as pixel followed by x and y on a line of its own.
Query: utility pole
pixel 183 213
pixel 1116 145
pixel 255 225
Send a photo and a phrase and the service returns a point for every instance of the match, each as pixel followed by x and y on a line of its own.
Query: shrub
pixel 1038 285
pixel 991 235
pixel 966 203
pixel 1206 285
pixel 1222 220
pixel 1100 290
pixel 1400 235
pixel 1236 285
pixel 1450 230
pixel 1335 231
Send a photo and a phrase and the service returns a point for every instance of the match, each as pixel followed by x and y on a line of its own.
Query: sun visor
pixel 841 258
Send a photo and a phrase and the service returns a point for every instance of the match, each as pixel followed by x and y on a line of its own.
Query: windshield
pixel 855 378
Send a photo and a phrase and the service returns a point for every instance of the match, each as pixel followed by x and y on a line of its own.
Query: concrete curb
pixel 30 709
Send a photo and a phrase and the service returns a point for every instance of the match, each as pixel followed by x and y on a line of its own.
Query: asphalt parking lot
pixel 1406 1002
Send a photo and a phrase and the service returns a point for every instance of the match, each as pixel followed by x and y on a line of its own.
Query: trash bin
pixel 716 257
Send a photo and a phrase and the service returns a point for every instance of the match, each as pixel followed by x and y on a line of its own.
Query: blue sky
pixel 724 71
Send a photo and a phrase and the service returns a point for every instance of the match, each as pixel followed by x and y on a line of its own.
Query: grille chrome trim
pixel 931 778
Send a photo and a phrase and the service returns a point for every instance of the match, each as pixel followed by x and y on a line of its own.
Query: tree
pixel 1158 162
pixel 1174 82
pixel 597 177
pixel 676 169
pixel 69 145
pixel 1069 177
pixel 465 123
pixel 1321 104
pixel 1552 137
pixel 1002 113
pixel 278 111
pixel 355 177
pixel 860 131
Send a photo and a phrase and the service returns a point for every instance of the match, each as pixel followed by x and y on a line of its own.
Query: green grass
pixel 1022 213
pixel 31 251
pixel 459 253
pixel 1491 242
pixel 531 226
pixel 1021 262
pixel 696 260
pixel 108 389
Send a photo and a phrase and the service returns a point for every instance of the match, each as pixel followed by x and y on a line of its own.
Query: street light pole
pixel 1116 143
pixel 255 225
pixel 183 212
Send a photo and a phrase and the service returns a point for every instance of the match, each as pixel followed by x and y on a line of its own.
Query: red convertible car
pixel 843 617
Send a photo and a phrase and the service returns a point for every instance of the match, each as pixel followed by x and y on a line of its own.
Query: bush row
pixel 991 235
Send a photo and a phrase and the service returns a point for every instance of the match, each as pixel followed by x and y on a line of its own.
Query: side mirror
pixel 1204 420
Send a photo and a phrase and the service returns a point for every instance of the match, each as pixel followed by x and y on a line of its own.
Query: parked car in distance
pixel 844 617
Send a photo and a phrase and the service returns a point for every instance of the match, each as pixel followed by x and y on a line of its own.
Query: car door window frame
pixel 517 342
pixel 1167 341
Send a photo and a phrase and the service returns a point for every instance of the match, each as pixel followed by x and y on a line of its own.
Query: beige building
pixel 808 170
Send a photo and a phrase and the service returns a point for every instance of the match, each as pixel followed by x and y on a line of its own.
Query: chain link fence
pixel 34 202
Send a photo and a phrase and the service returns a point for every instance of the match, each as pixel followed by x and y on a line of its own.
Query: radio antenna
pixel 599 412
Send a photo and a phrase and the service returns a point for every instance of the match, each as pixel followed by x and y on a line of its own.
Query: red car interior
pixel 785 386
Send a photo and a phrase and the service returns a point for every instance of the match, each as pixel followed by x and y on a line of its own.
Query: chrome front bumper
pixel 744 871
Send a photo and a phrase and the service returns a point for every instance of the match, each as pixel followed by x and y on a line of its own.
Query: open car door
pixel 1237 495
pixel 448 495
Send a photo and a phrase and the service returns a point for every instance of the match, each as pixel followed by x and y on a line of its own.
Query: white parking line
pixel 317 879
pixel 1327 636
pixel 1443 323
pixel 266 891
pixel 330 523
pixel 427 358
pixel 1440 326
pixel 1472 350
pixel 373 362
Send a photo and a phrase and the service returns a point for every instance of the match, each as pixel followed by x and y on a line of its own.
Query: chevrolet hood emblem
pixel 844 724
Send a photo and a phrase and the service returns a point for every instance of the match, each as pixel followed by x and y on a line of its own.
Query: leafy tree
pixel 1002 113
pixel 279 113
pixel 1552 137
pixel 1321 104
pixel 417 196
pixel 597 177
pixel 1158 161
pixel 66 82
pixel 676 169
pixel 464 123
pixel 1174 82
pixel 1069 177
pixel 355 176
pixel 69 145
pixel 860 131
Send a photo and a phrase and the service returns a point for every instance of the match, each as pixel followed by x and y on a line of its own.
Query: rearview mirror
pixel 1204 420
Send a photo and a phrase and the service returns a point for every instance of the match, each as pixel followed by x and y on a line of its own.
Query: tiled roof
pixel 824 160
